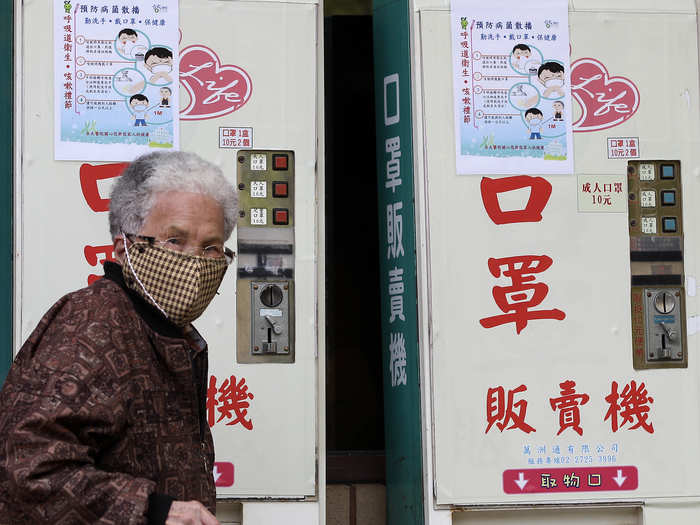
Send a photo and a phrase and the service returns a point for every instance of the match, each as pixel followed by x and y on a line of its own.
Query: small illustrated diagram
pixel 512 91
pixel 116 80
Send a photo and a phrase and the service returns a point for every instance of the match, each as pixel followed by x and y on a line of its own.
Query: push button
pixel 280 189
pixel 280 216
pixel 280 162
pixel 667 171
pixel 669 225
pixel 668 198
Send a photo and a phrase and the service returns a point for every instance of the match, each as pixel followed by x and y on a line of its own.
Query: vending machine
pixel 240 83
pixel 538 172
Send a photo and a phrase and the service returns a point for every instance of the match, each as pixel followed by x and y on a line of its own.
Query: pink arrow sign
pixel 589 479
pixel 223 474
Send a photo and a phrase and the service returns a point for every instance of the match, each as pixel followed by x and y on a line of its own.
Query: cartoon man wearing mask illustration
pixel 533 116
pixel 139 108
pixel 159 61
pixel 551 76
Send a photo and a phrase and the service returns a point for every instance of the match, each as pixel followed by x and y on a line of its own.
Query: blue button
pixel 667 171
pixel 668 198
pixel 669 224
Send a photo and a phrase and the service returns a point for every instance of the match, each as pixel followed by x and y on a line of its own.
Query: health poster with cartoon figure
pixel 116 78
pixel 512 90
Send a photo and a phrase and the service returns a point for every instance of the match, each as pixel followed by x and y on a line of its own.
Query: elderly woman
pixel 102 416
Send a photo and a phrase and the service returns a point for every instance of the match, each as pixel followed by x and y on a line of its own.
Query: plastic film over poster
pixel 511 87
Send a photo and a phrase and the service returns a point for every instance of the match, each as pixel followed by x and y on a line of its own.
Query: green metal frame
pixel 7 79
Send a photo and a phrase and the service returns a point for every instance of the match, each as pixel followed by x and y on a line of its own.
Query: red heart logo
pixel 605 101
pixel 215 90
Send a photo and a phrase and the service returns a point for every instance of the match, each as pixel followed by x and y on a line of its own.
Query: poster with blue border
pixel 511 87
pixel 116 79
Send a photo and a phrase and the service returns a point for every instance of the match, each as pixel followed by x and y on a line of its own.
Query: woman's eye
pixel 174 241
pixel 213 250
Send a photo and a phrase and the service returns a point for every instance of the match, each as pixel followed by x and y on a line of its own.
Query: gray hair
pixel 145 177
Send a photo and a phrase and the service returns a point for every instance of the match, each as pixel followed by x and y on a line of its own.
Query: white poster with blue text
pixel 511 87
pixel 115 78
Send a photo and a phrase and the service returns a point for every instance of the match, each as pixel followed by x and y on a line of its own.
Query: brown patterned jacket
pixel 102 417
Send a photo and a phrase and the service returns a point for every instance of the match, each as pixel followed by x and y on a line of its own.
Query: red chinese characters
pixel 502 413
pixel 568 406
pixel 230 400
pixel 91 256
pixel 601 192
pixel 623 147
pixel 518 300
pixel 632 406
pixel 89 175
pixel 540 190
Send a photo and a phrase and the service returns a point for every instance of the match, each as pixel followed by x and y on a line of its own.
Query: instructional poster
pixel 116 78
pixel 512 88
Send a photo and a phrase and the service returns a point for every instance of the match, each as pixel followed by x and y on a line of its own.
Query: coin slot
pixel 271 296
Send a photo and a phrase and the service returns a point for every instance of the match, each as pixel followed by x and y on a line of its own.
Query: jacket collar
pixel 151 316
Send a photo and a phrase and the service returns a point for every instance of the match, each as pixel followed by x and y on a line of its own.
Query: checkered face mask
pixel 180 285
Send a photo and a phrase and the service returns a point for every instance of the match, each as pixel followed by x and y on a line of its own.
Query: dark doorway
pixel 354 406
